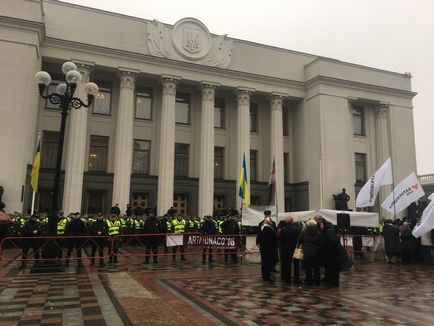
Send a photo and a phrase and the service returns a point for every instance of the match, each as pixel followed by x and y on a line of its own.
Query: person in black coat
pixel 32 228
pixel 310 240
pixel 288 236
pixel 392 245
pixel 230 226
pixel 152 227
pixel 408 243
pixel 98 228
pixel 331 253
pixel 76 228
pixel 208 228
pixel 267 243
pixel 164 222
pixel 267 214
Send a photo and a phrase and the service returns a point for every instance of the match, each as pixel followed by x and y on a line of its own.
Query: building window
pixel 95 201
pixel 144 103
pixel 253 165
pixel 219 159
pixel 360 168
pixel 180 202
pixel 141 156
pixel 181 159
pixel 50 144
pixel 102 102
pixel 50 90
pixel 182 108
pixel 98 153
pixel 219 202
pixel 358 121
pixel 253 117
pixel 140 200
pixel 285 121
pixel 286 167
pixel 219 112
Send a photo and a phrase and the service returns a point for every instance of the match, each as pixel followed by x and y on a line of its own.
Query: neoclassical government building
pixel 178 108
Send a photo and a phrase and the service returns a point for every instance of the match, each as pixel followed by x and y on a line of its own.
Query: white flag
pixel 426 223
pixel 406 192
pixel 368 194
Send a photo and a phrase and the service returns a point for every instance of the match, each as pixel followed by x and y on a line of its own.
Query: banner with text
pixel 212 241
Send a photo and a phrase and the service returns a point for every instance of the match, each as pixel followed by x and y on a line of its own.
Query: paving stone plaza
pixel 189 293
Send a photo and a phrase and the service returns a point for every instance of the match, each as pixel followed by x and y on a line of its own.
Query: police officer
pixel 75 228
pixel 208 228
pixel 31 228
pixel 152 227
pixel 61 227
pixel 230 226
pixel 178 226
pixel 165 227
pixel 115 210
pixel 113 230
pixel 98 228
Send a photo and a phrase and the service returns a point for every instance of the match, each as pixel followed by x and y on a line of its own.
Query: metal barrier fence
pixel 60 247
pixel 366 242
pixel 126 246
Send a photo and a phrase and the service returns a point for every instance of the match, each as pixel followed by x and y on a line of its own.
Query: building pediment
pixel 189 40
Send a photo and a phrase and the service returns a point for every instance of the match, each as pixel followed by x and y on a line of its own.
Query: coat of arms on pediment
pixel 189 40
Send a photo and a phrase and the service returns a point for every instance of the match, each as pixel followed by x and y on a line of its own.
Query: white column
pixel 383 150
pixel 124 139
pixel 76 151
pixel 276 138
pixel 243 135
pixel 19 109
pixel 167 145
pixel 206 171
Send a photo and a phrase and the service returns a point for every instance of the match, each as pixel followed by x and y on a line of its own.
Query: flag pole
pixel 275 200
pixel 393 193
pixel 241 242
pixel 34 192
pixel 320 184
pixel 33 203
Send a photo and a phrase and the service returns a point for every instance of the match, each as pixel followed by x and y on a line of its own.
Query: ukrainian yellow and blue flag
pixel 244 186
pixel 35 169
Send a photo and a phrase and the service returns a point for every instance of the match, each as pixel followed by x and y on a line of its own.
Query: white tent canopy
pixel 253 215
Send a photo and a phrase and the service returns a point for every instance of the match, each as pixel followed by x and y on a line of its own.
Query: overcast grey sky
pixel 394 35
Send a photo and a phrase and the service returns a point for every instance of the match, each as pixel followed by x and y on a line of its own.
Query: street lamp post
pixel 64 97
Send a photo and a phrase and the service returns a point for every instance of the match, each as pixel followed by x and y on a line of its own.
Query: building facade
pixel 179 107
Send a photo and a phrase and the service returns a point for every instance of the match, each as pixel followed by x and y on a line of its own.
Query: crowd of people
pixel 317 238
pixel 101 228
pixel 319 243
pixel 400 246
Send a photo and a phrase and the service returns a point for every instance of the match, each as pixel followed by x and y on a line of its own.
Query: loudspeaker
pixel 343 220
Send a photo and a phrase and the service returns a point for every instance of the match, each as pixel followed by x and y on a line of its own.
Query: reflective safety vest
pixel 169 226
pixel 178 226
pixel 136 225
pixel 61 226
pixel 113 227
pixel 219 226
